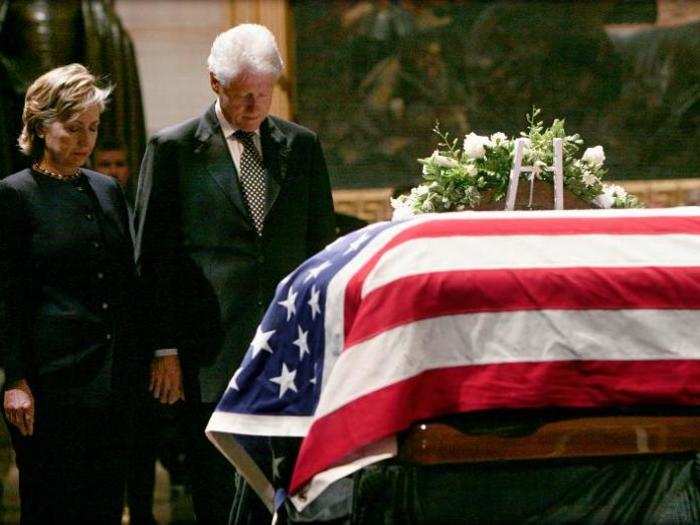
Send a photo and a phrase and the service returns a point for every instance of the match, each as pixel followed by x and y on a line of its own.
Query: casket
pixel 561 346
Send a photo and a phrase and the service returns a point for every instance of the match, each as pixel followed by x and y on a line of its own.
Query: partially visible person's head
pixel 111 159
pixel 244 65
pixel 61 115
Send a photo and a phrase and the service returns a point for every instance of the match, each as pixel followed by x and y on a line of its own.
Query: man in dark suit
pixel 228 204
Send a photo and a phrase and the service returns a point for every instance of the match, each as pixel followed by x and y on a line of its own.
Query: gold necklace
pixel 54 175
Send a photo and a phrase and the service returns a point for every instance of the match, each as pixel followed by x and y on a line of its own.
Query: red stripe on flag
pixel 659 225
pixel 436 294
pixel 563 384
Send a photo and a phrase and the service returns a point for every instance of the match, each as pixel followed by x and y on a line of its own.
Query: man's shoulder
pixel 176 132
pixel 292 129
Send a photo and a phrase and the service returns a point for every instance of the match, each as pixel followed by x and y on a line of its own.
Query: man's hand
pixel 166 379
pixel 19 407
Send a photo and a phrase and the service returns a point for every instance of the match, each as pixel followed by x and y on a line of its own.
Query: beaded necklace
pixel 54 175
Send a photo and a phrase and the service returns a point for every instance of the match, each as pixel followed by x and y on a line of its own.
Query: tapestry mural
pixel 374 77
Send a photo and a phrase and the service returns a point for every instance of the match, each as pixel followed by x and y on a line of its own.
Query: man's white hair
pixel 245 48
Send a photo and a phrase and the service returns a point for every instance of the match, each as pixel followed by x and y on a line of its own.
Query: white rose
pixel 617 191
pixel 499 137
pixel 401 212
pixel 474 145
pixel 594 156
pixel 604 201
pixel 607 198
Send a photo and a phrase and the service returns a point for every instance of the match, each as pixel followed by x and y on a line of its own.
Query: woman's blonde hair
pixel 59 95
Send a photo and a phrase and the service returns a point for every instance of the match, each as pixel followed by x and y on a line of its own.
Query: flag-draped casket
pixel 466 312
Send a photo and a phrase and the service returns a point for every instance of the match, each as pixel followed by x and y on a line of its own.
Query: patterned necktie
pixel 252 177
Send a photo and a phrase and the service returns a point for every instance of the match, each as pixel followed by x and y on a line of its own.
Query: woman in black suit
pixel 68 312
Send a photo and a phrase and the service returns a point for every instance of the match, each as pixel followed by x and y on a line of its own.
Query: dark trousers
pixel 72 469
pixel 211 475
pixel 140 481
pixel 214 479
pixel 161 435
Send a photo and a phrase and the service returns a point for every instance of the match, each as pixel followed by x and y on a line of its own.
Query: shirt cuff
pixel 165 352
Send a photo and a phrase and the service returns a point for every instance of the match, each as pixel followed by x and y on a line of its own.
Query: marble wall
pixel 172 40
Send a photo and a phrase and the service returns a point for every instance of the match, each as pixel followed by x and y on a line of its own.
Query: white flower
pixel 401 211
pixel 617 191
pixel 474 145
pixel 594 156
pixel 610 192
pixel 419 190
pixel 499 137
pixel 589 178
pixel 604 200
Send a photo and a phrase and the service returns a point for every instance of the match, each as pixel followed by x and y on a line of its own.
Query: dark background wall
pixel 374 77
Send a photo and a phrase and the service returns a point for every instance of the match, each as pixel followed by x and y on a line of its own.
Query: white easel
pixel 533 172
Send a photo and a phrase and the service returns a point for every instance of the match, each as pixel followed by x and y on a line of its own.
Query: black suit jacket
pixel 209 274
pixel 68 303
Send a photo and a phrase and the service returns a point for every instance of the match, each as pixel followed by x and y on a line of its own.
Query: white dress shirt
pixel 234 145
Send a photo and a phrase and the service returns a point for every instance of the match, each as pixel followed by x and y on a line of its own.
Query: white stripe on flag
pixel 508 337
pixel 259 425
pixel 334 328
pixel 442 254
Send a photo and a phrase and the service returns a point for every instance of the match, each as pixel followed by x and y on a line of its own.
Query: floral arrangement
pixel 460 179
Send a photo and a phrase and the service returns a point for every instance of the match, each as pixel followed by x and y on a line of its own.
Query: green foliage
pixel 462 178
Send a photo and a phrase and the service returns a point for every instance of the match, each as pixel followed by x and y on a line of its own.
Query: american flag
pixel 453 313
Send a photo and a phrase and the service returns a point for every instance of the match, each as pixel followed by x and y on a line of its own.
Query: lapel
pixel 275 157
pixel 213 153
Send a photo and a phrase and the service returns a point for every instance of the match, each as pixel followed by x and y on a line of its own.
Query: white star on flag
pixel 285 380
pixel 260 341
pixel 313 379
pixel 313 302
pixel 314 272
pixel 276 462
pixel 354 245
pixel 288 303
pixel 233 384
pixel 302 342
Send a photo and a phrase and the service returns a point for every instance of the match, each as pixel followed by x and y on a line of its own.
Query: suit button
pixel 89 216
pixel 105 306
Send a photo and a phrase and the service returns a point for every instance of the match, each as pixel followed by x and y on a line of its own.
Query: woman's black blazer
pixel 69 309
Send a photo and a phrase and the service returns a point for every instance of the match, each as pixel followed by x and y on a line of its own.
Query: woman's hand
pixel 166 379
pixel 19 407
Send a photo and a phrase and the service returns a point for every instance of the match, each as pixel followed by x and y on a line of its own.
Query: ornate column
pixel 277 16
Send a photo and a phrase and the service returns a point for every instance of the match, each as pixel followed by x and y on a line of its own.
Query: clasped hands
pixel 166 379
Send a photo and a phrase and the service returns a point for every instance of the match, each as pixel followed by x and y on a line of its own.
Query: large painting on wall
pixel 374 77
